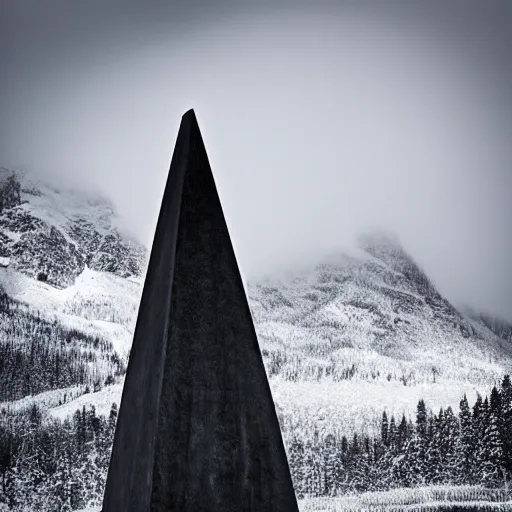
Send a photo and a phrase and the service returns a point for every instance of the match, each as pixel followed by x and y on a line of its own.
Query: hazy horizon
pixel 320 122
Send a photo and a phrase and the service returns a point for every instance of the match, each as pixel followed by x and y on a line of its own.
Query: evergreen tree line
pixel 107 309
pixel 472 447
pixel 294 366
pixel 38 355
pixel 54 466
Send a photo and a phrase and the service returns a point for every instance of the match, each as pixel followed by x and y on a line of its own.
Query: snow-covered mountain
pixel 52 234
pixel 375 309
pixel 70 284
pixel 498 326
pixel 362 331
pixel 366 330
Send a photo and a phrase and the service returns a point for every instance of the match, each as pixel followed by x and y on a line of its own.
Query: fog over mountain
pixel 320 121
pixel 356 349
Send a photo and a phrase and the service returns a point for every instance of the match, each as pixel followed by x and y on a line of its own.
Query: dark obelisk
pixel 197 429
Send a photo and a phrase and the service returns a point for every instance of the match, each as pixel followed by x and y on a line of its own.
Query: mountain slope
pixel 498 326
pixel 364 330
pixel 374 300
pixel 52 234
pixel 69 289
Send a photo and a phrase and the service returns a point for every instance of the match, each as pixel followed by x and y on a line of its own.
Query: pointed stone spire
pixel 197 429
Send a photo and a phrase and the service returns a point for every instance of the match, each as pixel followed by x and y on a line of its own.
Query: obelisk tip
pixel 189 114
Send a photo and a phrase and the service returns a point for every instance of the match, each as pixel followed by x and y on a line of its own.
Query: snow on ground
pixel 97 296
pixel 57 206
pixel 413 499
pixel 118 335
pixel 14 236
pixel 136 280
pixel 351 405
pixel 102 401
pixel 86 306
pixel 91 283
pixel 345 407
pixel 431 506
pixel 37 294
pixel 355 405
pixel 44 400
pixel 104 296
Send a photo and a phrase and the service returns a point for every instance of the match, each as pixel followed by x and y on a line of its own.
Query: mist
pixel 320 122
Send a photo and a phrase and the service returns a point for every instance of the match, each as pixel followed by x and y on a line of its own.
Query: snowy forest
pixel 471 447
pixel 51 465
pixel 39 355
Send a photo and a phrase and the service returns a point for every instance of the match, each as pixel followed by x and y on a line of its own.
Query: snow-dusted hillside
pixel 98 303
pixel 365 331
pixel 70 283
pixel 362 331
pixel 52 234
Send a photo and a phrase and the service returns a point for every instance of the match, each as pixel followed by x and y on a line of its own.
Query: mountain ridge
pixel 69 282
pixel 52 234
pixel 365 318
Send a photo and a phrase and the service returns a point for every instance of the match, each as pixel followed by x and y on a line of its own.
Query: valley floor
pixel 356 405
pixel 420 499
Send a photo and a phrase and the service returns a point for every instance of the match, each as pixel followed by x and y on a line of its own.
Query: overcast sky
pixel 320 119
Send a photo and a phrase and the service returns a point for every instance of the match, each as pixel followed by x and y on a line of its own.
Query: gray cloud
pixel 319 122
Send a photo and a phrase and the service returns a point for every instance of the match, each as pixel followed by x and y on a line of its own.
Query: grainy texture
pixel 197 428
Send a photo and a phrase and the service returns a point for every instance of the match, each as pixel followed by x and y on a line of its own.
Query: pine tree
pixel 491 460
pixel 433 461
pixel 495 402
pixel 361 463
pixel 408 469
pixel 477 410
pixel 421 442
pixel 296 461
pixel 450 454
pixel 392 434
pixel 309 475
pixel 354 447
pixel 331 461
pixel 506 422
pixel 421 419
pixel 403 434
pixel 384 429
pixel 466 444
pixel 112 419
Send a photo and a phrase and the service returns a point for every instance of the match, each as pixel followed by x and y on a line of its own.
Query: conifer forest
pixel 52 465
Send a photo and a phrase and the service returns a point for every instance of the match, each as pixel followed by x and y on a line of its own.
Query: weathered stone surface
pixel 197 428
